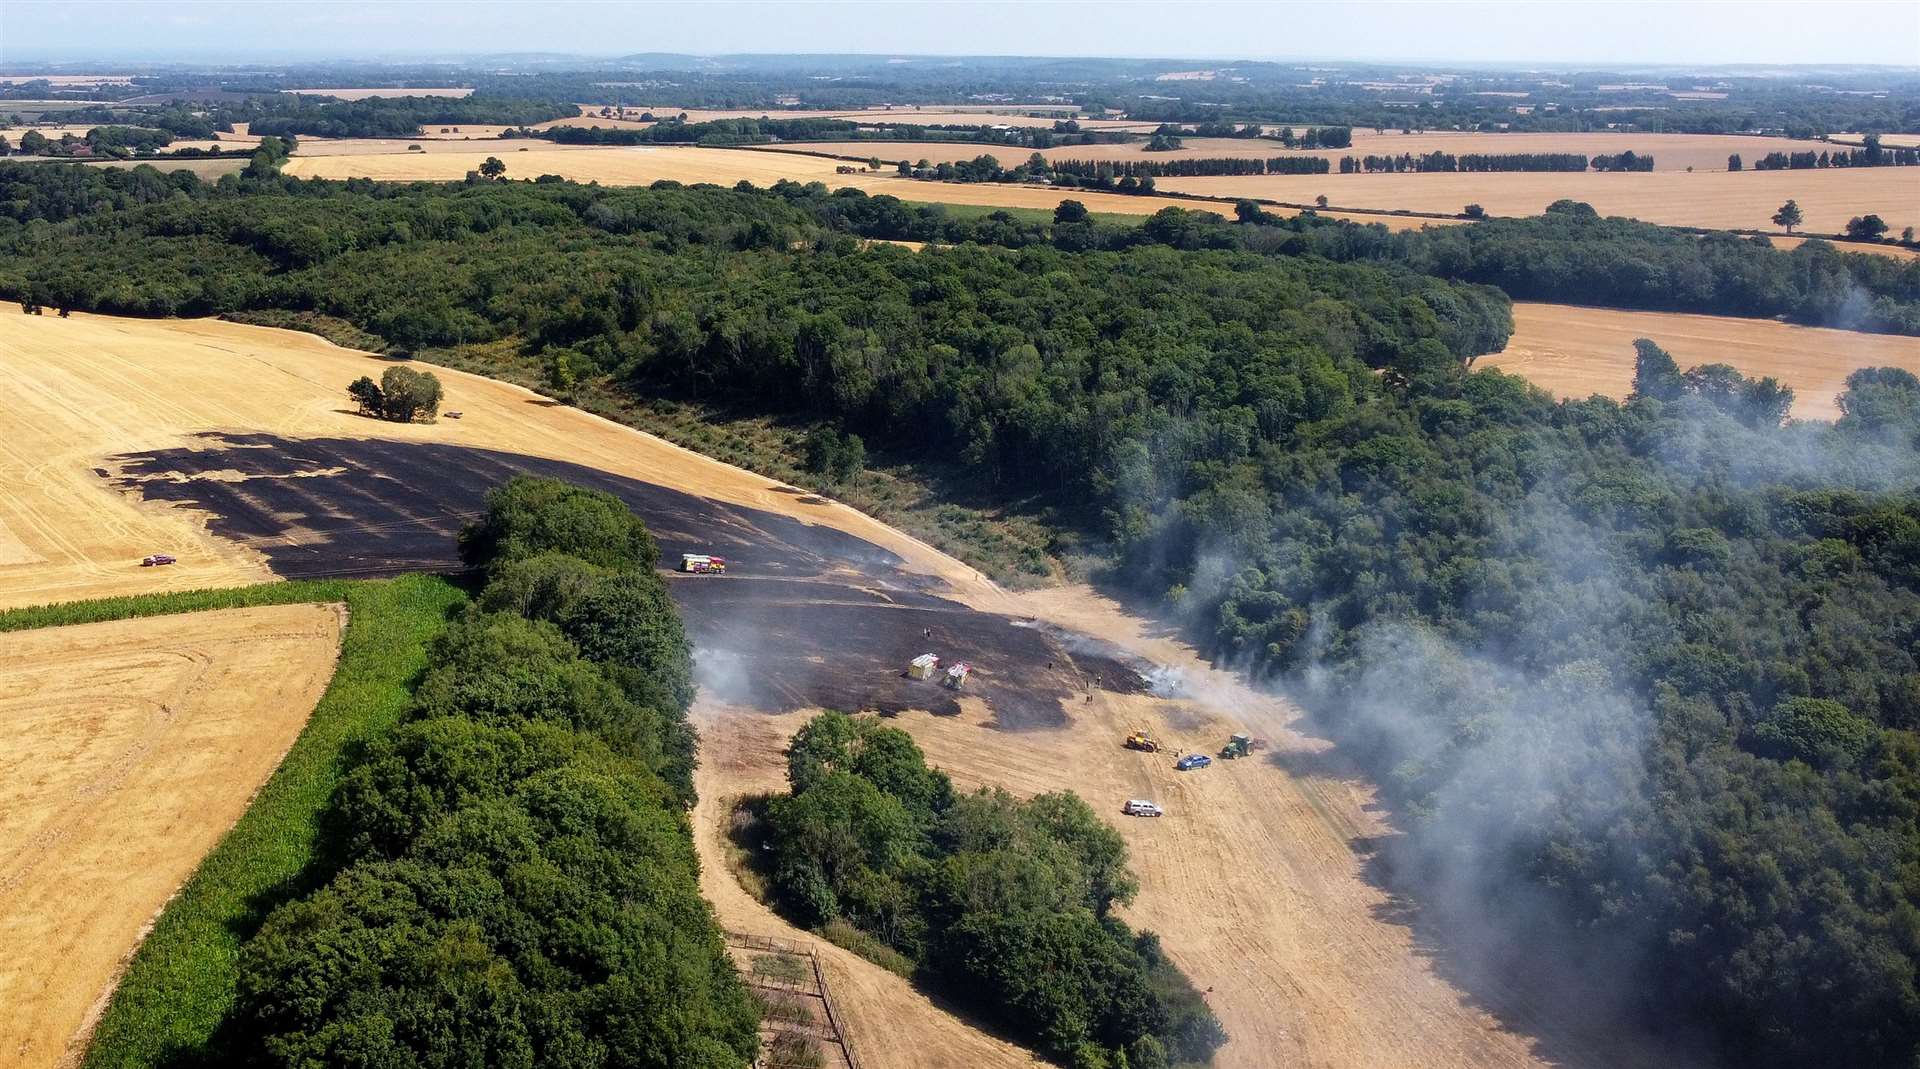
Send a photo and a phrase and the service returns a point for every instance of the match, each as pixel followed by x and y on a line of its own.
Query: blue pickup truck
pixel 1193 760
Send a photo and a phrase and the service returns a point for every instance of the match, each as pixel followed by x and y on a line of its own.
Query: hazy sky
pixel 1578 31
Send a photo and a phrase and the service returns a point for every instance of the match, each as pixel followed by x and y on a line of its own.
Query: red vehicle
pixel 157 558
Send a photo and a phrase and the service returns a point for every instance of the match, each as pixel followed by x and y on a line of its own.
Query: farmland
pixel 1722 200
pixel 1671 152
pixel 1576 352
pixel 128 749
pixel 726 166
pixel 285 493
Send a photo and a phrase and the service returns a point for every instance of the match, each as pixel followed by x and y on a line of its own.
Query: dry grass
pixel 1577 352
pixel 1733 201
pixel 126 750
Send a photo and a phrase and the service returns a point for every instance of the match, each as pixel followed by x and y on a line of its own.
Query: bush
pixel 402 395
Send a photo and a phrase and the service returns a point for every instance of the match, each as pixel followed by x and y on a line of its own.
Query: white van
pixel 1137 808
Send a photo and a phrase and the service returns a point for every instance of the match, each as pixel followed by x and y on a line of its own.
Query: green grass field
pixel 180 983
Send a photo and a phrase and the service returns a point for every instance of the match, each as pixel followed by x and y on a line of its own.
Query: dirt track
pixel 239 438
pixel 126 750
pixel 1577 352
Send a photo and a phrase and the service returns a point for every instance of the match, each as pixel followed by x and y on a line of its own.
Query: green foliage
pixel 1819 731
pixel 511 876
pixel 1004 903
pixel 407 395
pixel 529 516
pixel 181 983
pixel 835 456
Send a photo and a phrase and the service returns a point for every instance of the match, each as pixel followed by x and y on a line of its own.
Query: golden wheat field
pixel 641 165
pixel 1577 352
pixel 1671 152
pixel 1733 201
pixel 126 750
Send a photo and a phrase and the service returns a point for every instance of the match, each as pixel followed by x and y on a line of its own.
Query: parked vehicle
pixel 703 564
pixel 1138 808
pixel 1140 740
pixel 156 559
pixel 1192 761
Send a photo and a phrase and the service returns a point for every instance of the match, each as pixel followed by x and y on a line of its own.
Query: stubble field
pixel 1746 200
pixel 1671 152
pixel 126 750
pixel 1577 352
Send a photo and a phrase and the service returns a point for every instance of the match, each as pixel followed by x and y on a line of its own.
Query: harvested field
pixel 643 165
pixel 763 167
pixel 1577 352
pixel 1734 201
pixel 395 91
pixel 1671 152
pixel 128 749
pixel 1898 252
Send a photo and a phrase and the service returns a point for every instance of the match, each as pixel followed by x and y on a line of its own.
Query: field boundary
pixel 180 982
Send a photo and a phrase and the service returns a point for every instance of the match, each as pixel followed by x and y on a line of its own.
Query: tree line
pixel 1858 157
pixel 1190 167
pixel 285 114
pixel 1410 163
pixel 1640 676
pixel 674 131
pixel 1005 905
pixel 512 877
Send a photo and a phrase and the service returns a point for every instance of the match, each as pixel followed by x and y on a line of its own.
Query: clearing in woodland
pixel 1577 352
pixel 126 751
pixel 1257 878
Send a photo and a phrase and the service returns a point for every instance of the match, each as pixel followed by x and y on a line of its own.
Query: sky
pixel 1591 32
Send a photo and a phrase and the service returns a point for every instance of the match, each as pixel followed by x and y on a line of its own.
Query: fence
pixel 835 1031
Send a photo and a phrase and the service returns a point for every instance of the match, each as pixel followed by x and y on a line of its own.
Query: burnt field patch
pixel 807 616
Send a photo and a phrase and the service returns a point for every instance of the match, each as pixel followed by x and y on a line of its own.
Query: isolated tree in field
pixel 408 395
pixel 1788 216
pixel 1867 228
pixel 365 393
pixel 1321 200
pixel 1474 211
pixel 492 169
pixel 1070 211
pixel 1733 162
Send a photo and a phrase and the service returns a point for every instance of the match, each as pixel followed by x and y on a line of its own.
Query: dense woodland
pixel 514 880
pixel 1639 678
pixel 1005 904
pixel 310 116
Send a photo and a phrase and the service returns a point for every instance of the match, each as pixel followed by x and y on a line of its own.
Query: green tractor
pixel 1238 746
